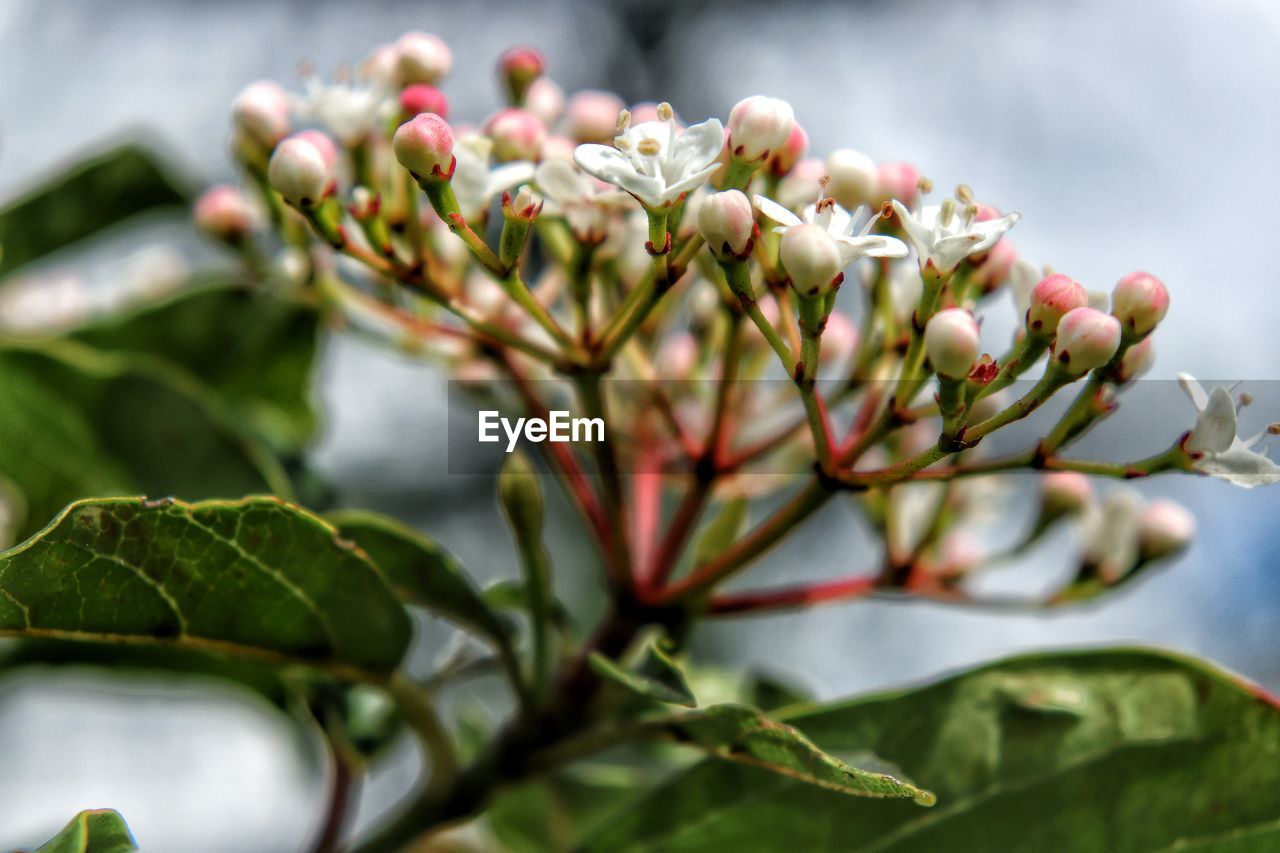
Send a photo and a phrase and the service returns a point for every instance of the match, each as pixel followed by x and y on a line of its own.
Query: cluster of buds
pixel 718 250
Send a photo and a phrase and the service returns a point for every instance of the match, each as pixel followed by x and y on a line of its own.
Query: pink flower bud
pixel 853 178
pixel 1065 493
pixel 300 172
pixel 327 147
pixel 952 341
pixel 1164 528
pixel 811 258
pixel 899 181
pixel 261 112
pixel 545 99
pixel 558 148
pixel 365 203
pixel 1051 300
pixel 1087 338
pixel 839 339
pixel 225 213
pixel 424 146
pixel 1140 301
pixel 593 116
pixel 726 221
pixel 996 266
pixel 758 125
pixel 422 98
pixel 1137 360
pixel 516 134
pixel 518 68
pixel 785 156
pixel 421 58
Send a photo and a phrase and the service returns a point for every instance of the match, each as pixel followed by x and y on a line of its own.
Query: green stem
pixel 594 405
pixel 812 315
pixel 738 276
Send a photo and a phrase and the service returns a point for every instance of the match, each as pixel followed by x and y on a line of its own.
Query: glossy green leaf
pixel 92 196
pixel 654 676
pixel 92 831
pixel 255 347
pixel 253 578
pixel 1121 750
pixel 421 572
pixel 78 423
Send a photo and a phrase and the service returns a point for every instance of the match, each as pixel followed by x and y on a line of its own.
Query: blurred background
pixel 1130 135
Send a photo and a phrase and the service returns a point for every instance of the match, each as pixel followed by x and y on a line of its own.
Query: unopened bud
pixel 300 172
pixel 323 143
pixel 1051 300
pixel 1137 360
pixel 996 265
pixel 853 178
pixel 521 497
pixel 898 181
pixel 1087 338
pixel 811 258
pixel 261 112
pixel 1140 301
pixel 518 68
pixel 423 98
pixel 365 203
pixel 1164 528
pixel 421 58
pixel 1065 493
pixel 516 134
pixel 758 125
pixel 952 340
pixel 545 99
pixel 784 157
pixel 424 146
pixel 225 213
pixel 726 221
pixel 802 185
pixel 593 115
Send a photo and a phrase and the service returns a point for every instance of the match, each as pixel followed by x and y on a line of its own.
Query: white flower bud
pixel 300 172
pixel 424 146
pixel 1111 536
pixel 758 126
pixel 725 221
pixel 854 178
pixel 517 134
pixel 1087 338
pixel 811 258
pixel 1164 528
pixel 952 341
pixel 261 112
pixel 1051 300
pixel 225 213
pixel 421 58
pixel 545 99
pixel 1140 302
pixel 593 116
pixel 1065 493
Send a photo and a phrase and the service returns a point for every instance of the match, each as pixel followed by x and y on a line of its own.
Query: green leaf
pixel 78 423
pixel 421 572
pixel 253 578
pixel 254 347
pixel 655 675
pixel 93 831
pixel 94 195
pixel 1123 750
pixel 722 530
pixel 557 810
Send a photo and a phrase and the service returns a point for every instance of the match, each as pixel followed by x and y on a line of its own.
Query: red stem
pixel 794 596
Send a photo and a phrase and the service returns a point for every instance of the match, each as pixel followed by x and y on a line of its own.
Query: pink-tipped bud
pixel 421 58
pixel 422 98
pixel 952 340
pixel 225 213
pixel 424 146
pixel 853 178
pixel 261 112
pixel 300 172
pixel 1140 302
pixel 997 265
pixel 1164 529
pixel 899 181
pixel 593 116
pixel 1087 338
pixel 758 125
pixel 545 99
pixel 811 258
pixel 1051 300
pixel 785 157
pixel 726 221
pixel 323 143
pixel 365 203
pixel 1065 493
pixel 516 134
pixel 1137 360
pixel 518 68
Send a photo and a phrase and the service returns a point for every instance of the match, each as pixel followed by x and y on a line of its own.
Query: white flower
pixel 653 161
pixel 1220 451
pixel 474 184
pixel 840 225
pixel 351 111
pixel 945 235
pixel 576 197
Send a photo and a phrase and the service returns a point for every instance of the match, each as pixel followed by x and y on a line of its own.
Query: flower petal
pixel 991 231
pixel 1199 398
pixel 919 233
pixel 562 183
pixel 775 211
pixel 1215 428
pixel 1240 466
pixel 507 176
pixel 698 147
pixel 871 246
pixel 672 193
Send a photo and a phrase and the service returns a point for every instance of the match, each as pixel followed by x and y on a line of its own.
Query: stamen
pixel 964 194
pixel 624 121
pixel 622 143
pixel 947 212
pixel 1245 399
pixel 924 185
pixel 1273 429
pixel 665 113
pixel 649 146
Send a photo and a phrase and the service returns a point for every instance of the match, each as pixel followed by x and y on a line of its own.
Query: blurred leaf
pixel 722 530
pixel 421 572
pixel 654 676
pixel 93 195
pixel 511 594
pixel 1118 750
pixel 77 423
pixel 93 831
pixel 558 810
pixel 255 347
pixel 254 578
